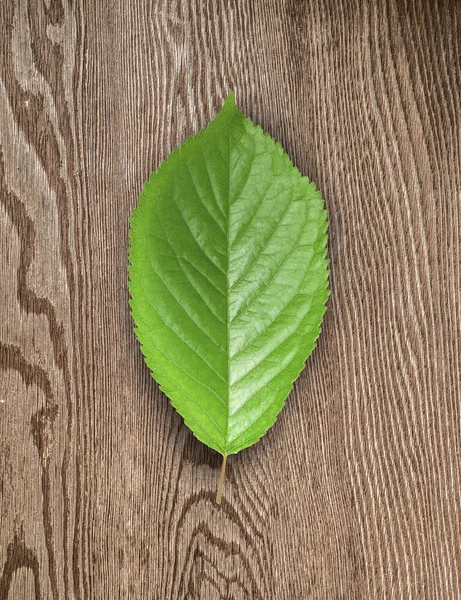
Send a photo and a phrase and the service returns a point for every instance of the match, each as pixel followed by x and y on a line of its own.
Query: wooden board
pixel 356 491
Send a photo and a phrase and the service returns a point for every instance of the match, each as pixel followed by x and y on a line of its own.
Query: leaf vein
pixel 182 339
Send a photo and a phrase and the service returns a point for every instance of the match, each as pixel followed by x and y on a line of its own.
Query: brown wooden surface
pixel 356 491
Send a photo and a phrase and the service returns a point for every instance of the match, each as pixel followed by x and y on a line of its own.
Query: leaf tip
pixel 229 102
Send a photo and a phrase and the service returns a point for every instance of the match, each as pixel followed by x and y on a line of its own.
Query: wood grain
pixel 356 491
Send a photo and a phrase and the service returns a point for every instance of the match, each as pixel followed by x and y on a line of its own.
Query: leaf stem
pixel 221 480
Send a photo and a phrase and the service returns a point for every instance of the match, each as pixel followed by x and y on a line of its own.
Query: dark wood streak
pixel 31 375
pixel 42 421
pixel 19 556
pixel 28 300
pixel 41 135
pixel 41 429
pixel 244 577
pixel 239 518
pixel 37 133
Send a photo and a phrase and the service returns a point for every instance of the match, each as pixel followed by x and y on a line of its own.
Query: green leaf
pixel 228 278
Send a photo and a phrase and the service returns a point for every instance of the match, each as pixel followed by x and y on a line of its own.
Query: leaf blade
pixel 228 278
